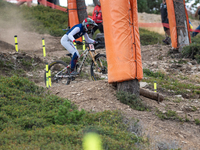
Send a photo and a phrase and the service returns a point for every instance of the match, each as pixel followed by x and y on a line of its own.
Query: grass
pixel 33 118
pixel 168 115
pixel 133 101
pixel 193 50
pixel 171 115
pixel 169 82
pixel 197 121
pixel 150 38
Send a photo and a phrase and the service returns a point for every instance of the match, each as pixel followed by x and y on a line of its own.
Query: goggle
pixel 90 26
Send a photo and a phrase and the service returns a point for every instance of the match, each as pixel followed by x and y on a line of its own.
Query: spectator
pixel 20 2
pixel 197 13
pixel 164 18
pixel 97 17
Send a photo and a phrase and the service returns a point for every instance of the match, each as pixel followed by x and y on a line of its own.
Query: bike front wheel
pixel 99 68
pixel 59 72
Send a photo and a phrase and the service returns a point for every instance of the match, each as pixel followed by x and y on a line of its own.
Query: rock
pixel 163 104
pixel 189 63
pixel 180 135
pixel 193 62
pixel 179 96
pixel 143 84
pixel 29 74
pixel 179 112
pixel 74 93
pixel 186 108
pixel 194 68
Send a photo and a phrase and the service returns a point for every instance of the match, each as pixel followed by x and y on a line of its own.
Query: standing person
pixel 164 18
pixel 20 2
pixel 97 17
pixel 74 33
pixel 197 30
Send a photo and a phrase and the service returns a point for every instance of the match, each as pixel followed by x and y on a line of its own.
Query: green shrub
pixel 197 121
pixel 150 73
pixel 49 20
pixel 131 100
pixel 31 117
pixel 66 115
pixel 172 115
pixel 192 51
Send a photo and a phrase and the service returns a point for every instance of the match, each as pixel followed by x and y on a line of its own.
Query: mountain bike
pixel 60 70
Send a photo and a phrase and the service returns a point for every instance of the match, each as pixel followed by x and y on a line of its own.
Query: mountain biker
pixel 77 31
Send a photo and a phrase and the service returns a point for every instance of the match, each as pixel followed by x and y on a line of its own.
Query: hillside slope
pixel 99 95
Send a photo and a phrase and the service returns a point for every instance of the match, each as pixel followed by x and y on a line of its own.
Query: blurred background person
pixel 97 17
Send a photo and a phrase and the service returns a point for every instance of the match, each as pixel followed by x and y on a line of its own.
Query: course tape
pixel 46 3
pixel 145 25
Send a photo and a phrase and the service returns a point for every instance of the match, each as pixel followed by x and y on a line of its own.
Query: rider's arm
pixel 87 39
pixel 72 33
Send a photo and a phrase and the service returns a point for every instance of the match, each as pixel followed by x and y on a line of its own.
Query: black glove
pixel 78 42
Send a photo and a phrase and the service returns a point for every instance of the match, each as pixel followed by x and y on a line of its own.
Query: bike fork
pixel 93 58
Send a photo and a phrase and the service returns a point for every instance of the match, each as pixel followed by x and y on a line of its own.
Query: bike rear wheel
pixel 100 70
pixel 59 71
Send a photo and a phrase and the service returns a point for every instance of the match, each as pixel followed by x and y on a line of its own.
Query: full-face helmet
pixel 88 24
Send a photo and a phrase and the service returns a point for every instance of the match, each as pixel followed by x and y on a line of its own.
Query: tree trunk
pixel 152 95
pixel 82 13
pixel 181 23
pixel 57 2
pixel 95 2
pixel 131 86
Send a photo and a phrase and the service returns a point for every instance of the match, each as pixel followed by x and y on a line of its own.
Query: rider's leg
pixel 195 33
pixel 68 45
pixel 71 48
pixel 73 61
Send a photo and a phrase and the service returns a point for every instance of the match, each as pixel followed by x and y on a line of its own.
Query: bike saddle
pixel 70 55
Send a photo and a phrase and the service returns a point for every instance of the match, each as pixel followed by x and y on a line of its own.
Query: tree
pixel 181 19
pixel 153 6
pixel 82 13
pixel 149 6
pixel 194 3
pixel 95 2
pixel 142 6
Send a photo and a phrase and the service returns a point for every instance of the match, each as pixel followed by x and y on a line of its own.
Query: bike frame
pixel 84 55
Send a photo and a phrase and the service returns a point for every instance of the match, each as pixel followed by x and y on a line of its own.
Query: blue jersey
pixel 79 34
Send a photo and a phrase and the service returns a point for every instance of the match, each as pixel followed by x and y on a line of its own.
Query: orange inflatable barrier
pixel 172 22
pixel 136 44
pixel 122 40
pixel 72 14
